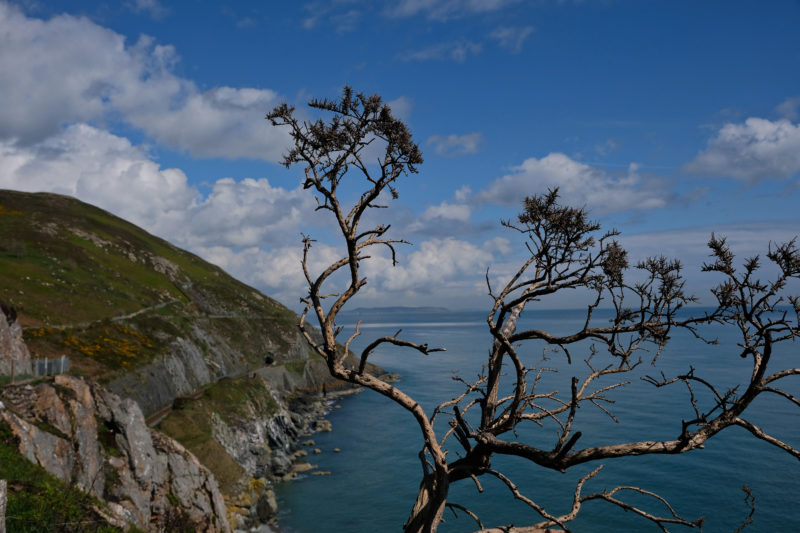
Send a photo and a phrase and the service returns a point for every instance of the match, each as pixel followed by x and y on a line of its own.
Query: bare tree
pixel 566 252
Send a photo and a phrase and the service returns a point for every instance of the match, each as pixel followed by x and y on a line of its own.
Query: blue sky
pixel 668 120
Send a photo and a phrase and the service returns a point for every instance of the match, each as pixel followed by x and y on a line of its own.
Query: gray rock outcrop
pixel 14 355
pixel 91 438
pixel 199 358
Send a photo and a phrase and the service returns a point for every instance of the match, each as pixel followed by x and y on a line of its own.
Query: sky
pixel 667 120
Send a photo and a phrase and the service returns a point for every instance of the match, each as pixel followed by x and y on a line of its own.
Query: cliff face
pixel 150 321
pixel 91 438
pixel 248 431
pixel 14 355
pixel 201 356
pixel 218 366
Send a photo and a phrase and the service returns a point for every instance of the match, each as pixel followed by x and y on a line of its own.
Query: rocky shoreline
pixel 92 439
pixel 278 449
pixel 226 441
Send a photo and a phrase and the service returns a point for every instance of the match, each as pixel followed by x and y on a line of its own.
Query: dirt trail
pixel 113 318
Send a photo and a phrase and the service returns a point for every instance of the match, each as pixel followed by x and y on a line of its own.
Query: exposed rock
pixel 202 357
pixel 14 355
pixel 267 507
pixel 144 476
pixel 323 425
pixel 267 444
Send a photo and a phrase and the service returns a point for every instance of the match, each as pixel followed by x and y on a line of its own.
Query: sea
pixel 374 475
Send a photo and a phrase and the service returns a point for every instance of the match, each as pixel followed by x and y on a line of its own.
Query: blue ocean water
pixel 374 478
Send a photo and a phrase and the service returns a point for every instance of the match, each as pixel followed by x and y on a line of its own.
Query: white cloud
pixel 458 212
pixel 751 151
pixel 463 193
pixel 457 51
pixel 247 213
pixel 221 122
pixel 456 145
pixel 68 69
pixel 277 270
pixel 446 9
pixel 608 147
pixel 512 38
pixel 578 183
pixel 153 7
pixel 108 171
pixel 690 246
pixel 442 270
pixel 433 265
pixel 788 109
pixel 401 107
pixel 101 169
pixel 498 246
pixel 338 14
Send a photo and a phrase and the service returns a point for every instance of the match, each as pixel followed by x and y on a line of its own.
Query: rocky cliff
pixel 150 321
pixel 92 439
pixel 217 365
pixel 14 355
pixel 248 430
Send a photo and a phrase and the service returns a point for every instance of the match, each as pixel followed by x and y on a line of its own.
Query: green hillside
pixel 112 297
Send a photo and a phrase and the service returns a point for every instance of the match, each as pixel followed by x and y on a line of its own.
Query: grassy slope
pixel 190 423
pixel 64 262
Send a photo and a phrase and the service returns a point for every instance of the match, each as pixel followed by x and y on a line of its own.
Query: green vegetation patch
pixel 192 428
pixel 113 345
pixel 190 424
pixel 240 398
pixel 38 501
pixel 296 367
pixel 74 272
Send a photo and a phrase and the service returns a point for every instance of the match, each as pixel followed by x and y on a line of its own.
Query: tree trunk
pixel 429 507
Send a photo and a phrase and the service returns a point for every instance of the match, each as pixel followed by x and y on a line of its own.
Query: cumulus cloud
pixel 102 169
pixel 247 213
pixel 277 270
pixel 69 70
pixel 459 212
pixel 445 218
pixel 448 269
pixel 446 9
pixel 512 38
pixel 751 151
pixel 221 122
pixel 578 183
pixel 456 145
pixel 434 264
pixel 108 171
